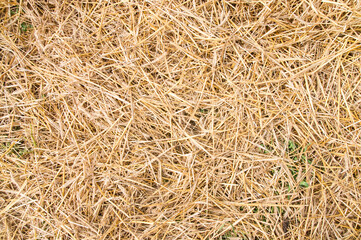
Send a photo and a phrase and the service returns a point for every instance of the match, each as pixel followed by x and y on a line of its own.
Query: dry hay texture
pixel 180 119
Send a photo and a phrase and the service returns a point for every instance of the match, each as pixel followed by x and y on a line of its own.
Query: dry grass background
pixel 180 119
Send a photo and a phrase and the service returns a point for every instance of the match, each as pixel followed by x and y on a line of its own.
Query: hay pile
pixel 180 119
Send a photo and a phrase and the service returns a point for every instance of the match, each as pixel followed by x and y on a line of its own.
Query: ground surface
pixel 180 119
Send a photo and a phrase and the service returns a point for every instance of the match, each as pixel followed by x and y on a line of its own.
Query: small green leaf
pixel 272 210
pixel 265 148
pixel 25 26
pixel 291 146
pixel 305 149
pixel 304 184
pixel 14 11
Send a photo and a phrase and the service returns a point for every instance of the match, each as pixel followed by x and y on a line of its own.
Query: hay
pixel 180 119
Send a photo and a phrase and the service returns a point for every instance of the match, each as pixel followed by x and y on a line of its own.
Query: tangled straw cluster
pixel 174 119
